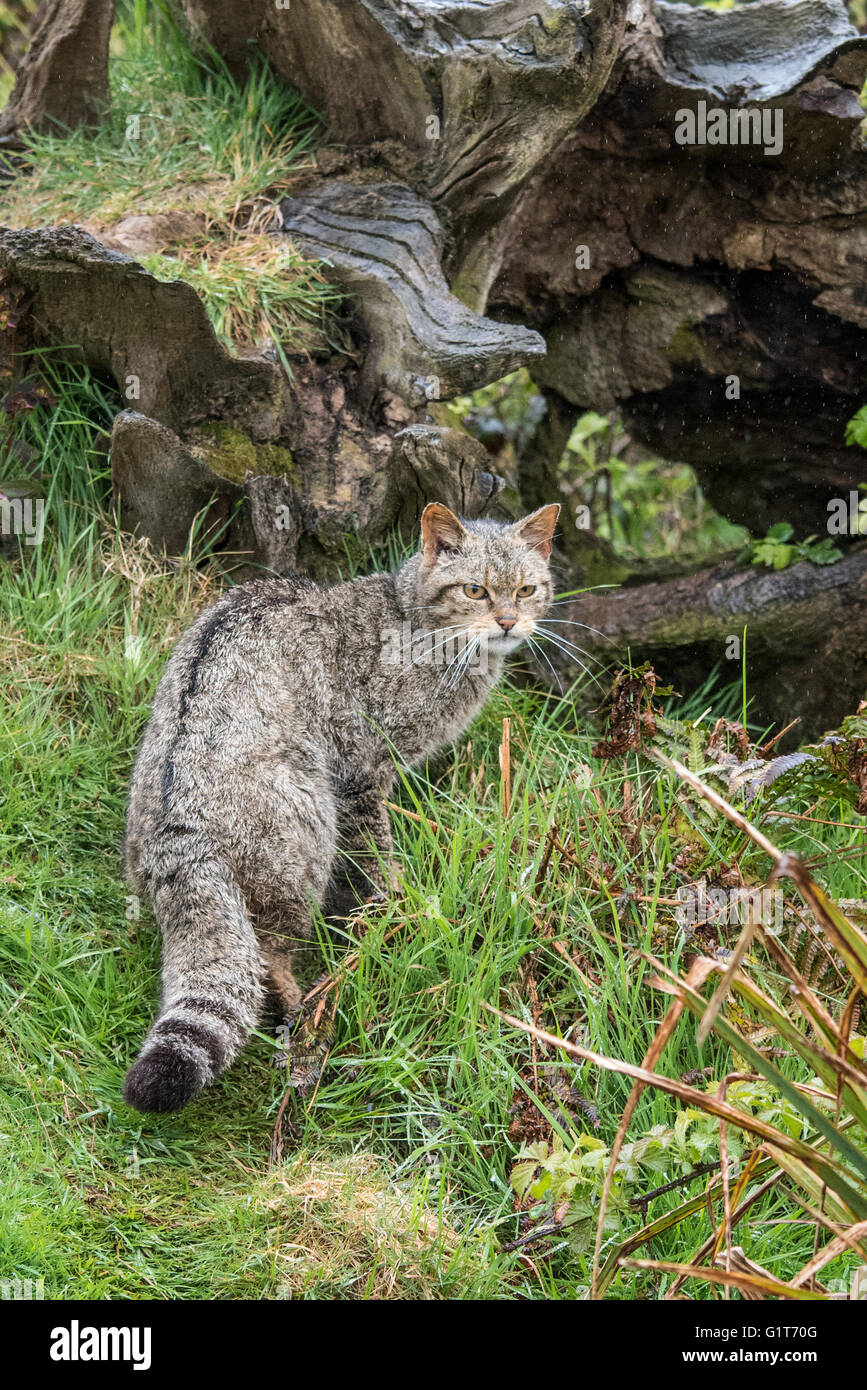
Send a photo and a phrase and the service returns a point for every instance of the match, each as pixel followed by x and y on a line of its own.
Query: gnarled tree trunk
pixel 656 208
pixel 63 80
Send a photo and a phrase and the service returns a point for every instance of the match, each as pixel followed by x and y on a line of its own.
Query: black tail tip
pixel 165 1079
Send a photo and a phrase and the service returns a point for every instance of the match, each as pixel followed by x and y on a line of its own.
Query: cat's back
pixel 225 679
pixel 235 641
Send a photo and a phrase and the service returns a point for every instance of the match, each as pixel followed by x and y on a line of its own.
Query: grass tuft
pixel 207 155
pixel 182 133
pixel 254 289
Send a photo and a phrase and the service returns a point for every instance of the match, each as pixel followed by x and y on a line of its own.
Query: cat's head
pixel 485 577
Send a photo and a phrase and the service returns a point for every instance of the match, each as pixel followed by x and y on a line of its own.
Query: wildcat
pixel 259 786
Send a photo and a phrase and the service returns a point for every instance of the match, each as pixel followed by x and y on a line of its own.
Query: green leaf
pixel 783 556
pixel 856 428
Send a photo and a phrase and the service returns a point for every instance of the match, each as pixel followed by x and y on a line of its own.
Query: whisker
pixel 568 622
pixel 459 656
pixel 564 641
pixel 468 656
pixel 451 674
pixel 539 651
pixel 454 627
pixel 559 602
pixel 569 652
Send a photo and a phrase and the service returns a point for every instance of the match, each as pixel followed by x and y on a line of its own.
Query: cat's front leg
pixel 364 866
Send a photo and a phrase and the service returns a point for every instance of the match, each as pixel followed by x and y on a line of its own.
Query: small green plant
pixel 856 428
pixel 642 504
pixel 551 1173
pixel 777 550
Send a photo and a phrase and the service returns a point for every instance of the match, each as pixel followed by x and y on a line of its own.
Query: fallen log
pixel 794 627
pixel 384 245
pixel 711 288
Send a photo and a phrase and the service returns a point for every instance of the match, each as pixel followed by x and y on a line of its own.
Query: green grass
pixel 181 133
pixel 254 291
pixel 397 1183
pixel 185 136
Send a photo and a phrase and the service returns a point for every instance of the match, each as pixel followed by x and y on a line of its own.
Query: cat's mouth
pixel 507 641
pixel 500 641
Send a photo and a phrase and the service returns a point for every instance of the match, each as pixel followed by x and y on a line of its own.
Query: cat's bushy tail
pixel 212 987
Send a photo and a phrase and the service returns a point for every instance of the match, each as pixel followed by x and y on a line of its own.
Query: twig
pixel 741 1211
pixel 413 815
pixel 725 1230
pixel 506 766
pixel 275 1155
pixel 651 1056
pixel 766 747
pixel 546 858
pixel 814 820
pixel 732 1278
pixel 643 1202
pixel 538 1234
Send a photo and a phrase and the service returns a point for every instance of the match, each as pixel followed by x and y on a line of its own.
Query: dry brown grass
pixel 349 1231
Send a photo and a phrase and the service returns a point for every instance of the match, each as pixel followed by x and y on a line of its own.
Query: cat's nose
pixel 506 623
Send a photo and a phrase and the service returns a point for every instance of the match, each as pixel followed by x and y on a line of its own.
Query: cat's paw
pixel 163 1080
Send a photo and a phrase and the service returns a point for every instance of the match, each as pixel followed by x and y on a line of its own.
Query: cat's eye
pixel 526 590
pixel 475 591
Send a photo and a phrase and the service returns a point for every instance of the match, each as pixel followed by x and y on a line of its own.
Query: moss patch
pixel 231 454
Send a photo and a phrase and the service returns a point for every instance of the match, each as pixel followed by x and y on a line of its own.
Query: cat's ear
pixel 441 531
pixel 537 529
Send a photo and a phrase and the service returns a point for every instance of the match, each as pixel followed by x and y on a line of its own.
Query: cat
pixel 259 786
